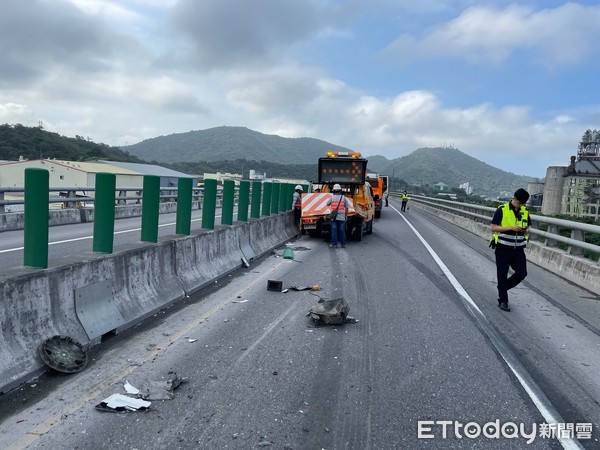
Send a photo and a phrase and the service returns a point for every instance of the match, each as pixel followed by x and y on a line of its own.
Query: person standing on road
pixel 297 205
pixel 404 201
pixel 339 205
pixel 510 226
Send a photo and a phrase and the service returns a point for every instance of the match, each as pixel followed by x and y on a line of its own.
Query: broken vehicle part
pixel 274 285
pixel 64 354
pixel 122 403
pixel 160 389
pixel 330 312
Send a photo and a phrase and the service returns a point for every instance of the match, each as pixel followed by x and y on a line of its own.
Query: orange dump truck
pixel 379 187
pixel 348 169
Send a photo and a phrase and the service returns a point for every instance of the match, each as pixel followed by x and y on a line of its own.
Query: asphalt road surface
pixel 430 353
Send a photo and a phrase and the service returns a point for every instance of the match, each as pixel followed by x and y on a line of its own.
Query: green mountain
pixel 231 143
pixel 428 166
pixel 36 143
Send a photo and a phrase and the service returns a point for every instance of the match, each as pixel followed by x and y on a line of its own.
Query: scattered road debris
pixel 122 403
pixel 130 389
pixel 329 312
pixel 239 301
pixel 301 249
pixel 288 253
pixel 245 262
pixel 274 285
pixel 191 341
pixel 314 287
pixel 63 354
pixel 160 389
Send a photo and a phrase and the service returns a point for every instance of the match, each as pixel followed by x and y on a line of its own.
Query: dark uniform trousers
pixel 507 257
pixel 297 215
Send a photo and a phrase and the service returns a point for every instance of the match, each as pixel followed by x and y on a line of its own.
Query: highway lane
pixel 260 373
pixel 76 239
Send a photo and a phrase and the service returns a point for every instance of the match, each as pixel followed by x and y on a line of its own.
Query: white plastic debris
pixel 119 402
pixel 130 389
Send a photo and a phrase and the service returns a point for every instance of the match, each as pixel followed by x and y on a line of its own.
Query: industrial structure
pixel 575 190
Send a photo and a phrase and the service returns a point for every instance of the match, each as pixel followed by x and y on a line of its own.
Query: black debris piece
pixel 329 312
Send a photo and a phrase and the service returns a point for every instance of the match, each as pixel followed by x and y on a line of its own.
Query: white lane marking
pixel 543 404
pixel 83 238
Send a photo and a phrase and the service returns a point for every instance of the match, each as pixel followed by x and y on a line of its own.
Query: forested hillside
pixel 427 166
pixel 36 143
pixel 231 143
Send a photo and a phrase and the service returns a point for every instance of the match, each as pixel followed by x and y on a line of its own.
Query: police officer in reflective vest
pixel 404 201
pixel 510 226
pixel 297 204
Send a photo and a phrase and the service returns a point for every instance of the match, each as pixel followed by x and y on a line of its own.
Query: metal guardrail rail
pixel 551 238
pixel 71 199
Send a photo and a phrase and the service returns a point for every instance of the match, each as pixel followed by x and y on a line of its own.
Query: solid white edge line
pixel 543 404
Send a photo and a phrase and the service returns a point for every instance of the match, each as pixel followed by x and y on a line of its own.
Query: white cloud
pixel 562 36
pixel 12 112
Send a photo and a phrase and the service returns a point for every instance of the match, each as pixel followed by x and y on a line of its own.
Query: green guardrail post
pixel 256 197
pixel 209 204
pixel 243 201
pixel 283 189
pixel 275 198
pixel 184 206
pixel 228 197
pixel 150 207
pixel 37 201
pixel 289 196
pixel 104 212
pixel 266 203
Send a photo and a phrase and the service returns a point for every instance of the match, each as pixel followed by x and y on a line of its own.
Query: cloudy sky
pixel 514 84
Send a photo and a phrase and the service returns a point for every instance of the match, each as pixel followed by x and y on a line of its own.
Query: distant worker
pixel 297 204
pixel 339 205
pixel 404 200
pixel 510 226
pixel 387 195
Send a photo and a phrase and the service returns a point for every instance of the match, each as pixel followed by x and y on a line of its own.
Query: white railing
pixel 551 238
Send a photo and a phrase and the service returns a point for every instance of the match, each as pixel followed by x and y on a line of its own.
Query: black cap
pixel 522 195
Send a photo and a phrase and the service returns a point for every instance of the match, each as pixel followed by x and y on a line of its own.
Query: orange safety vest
pixel 340 204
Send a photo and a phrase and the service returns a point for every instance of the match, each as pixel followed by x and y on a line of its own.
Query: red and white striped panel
pixel 315 204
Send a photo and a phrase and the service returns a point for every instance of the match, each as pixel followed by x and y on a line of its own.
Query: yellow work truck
pixel 348 169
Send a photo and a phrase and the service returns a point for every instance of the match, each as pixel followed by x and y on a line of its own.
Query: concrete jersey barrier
pixel 97 294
